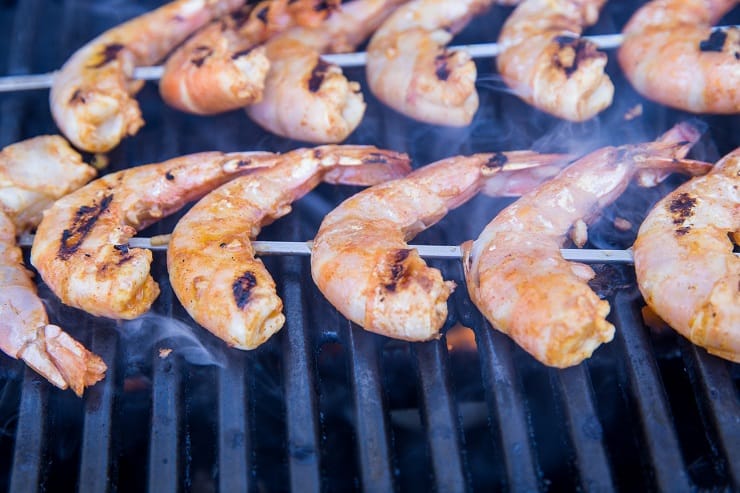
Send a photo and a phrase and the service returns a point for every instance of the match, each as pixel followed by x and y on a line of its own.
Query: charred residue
pixel 441 68
pixel 318 74
pixel 200 55
pixel 77 97
pixel 242 288
pixel 110 52
pixel 496 161
pixel 715 41
pixel 397 268
pixel 681 209
pixel 572 52
pixel 242 53
pixel 82 223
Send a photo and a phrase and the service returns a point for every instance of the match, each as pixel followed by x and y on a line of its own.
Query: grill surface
pixel 325 406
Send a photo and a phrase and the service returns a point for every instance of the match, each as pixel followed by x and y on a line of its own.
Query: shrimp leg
pixel 210 257
pixel 515 273
pixel 91 96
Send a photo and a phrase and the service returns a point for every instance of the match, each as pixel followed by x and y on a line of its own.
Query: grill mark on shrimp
pixel 572 52
pixel 242 288
pixel 497 161
pixel 441 69
pixel 242 53
pixel 77 97
pixel 715 42
pixel 110 52
pixel 83 222
pixel 202 52
pixel 397 270
pixel 317 75
pixel 682 208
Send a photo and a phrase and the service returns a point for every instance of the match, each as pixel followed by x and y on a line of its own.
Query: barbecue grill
pixel 327 406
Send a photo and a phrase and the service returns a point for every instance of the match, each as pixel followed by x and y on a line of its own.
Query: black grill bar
pixel 299 374
pixel 97 432
pixel 668 467
pixel 373 447
pixel 585 430
pixel 441 418
pixel 505 401
pixel 28 455
pixel 164 474
pixel 234 463
pixel 709 376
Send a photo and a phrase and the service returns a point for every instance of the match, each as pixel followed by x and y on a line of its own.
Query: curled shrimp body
pixel 360 259
pixel 25 332
pixel 305 97
pixel 223 67
pixel 91 96
pixel 684 260
pixel 210 257
pixel 670 55
pixel 515 273
pixel 81 246
pixel 409 69
pixel 547 64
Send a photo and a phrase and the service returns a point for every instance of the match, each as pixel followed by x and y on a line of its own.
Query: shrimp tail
pixel 355 165
pixel 62 360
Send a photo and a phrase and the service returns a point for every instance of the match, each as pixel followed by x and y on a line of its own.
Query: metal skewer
pixel 427 251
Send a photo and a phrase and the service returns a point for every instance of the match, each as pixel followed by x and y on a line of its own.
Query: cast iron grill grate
pixel 325 406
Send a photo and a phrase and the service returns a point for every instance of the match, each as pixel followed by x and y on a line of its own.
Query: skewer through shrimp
pixel 92 94
pixel 409 69
pixel 684 260
pixel 306 98
pixel 546 62
pixel 670 55
pixel 515 273
pixel 210 257
pixel 360 259
pixel 32 174
pixel 223 67
pixel 81 246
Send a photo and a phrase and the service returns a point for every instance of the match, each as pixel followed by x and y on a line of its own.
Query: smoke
pixel 161 333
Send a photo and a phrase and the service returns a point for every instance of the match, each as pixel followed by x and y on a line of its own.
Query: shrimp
pixel 210 258
pixel 222 67
pixel 305 97
pixel 91 96
pixel 515 273
pixel 675 37
pixel 409 69
pixel 546 62
pixel 32 174
pixel 360 259
pixel 684 260
pixel 81 246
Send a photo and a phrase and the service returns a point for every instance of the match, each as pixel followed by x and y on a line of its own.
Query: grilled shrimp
pixel 546 62
pixel 684 260
pixel 32 174
pixel 671 55
pixel 515 273
pixel 91 96
pixel 210 258
pixel 360 259
pixel 222 67
pixel 305 97
pixel 409 69
pixel 81 246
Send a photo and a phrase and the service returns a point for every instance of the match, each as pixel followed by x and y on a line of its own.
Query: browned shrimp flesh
pixel 91 97
pixel 671 55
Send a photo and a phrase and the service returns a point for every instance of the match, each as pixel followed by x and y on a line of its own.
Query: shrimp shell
pixel 360 259
pixel 91 96
pixel 210 257
pixel 684 260
pixel 515 273
pixel 670 55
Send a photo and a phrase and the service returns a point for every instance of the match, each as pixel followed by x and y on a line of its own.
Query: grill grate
pixel 326 406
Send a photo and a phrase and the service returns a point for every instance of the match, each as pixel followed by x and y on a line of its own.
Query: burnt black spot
pixel 440 66
pixel 243 163
pixel 375 158
pixel 715 42
pixel 317 75
pixel 583 50
pixel 317 153
pixel 262 14
pixel 125 256
pixel 77 97
pixel 200 54
pixel 83 222
pixel 169 176
pixel 122 248
pixel 242 53
pixel 321 6
pixel 397 268
pixel 682 208
pixel 241 16
pixel 222 244
pixel 110 52
pixel 242 288
pixel 498 160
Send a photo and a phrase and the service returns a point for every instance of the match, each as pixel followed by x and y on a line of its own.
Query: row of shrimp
pixel 267 58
